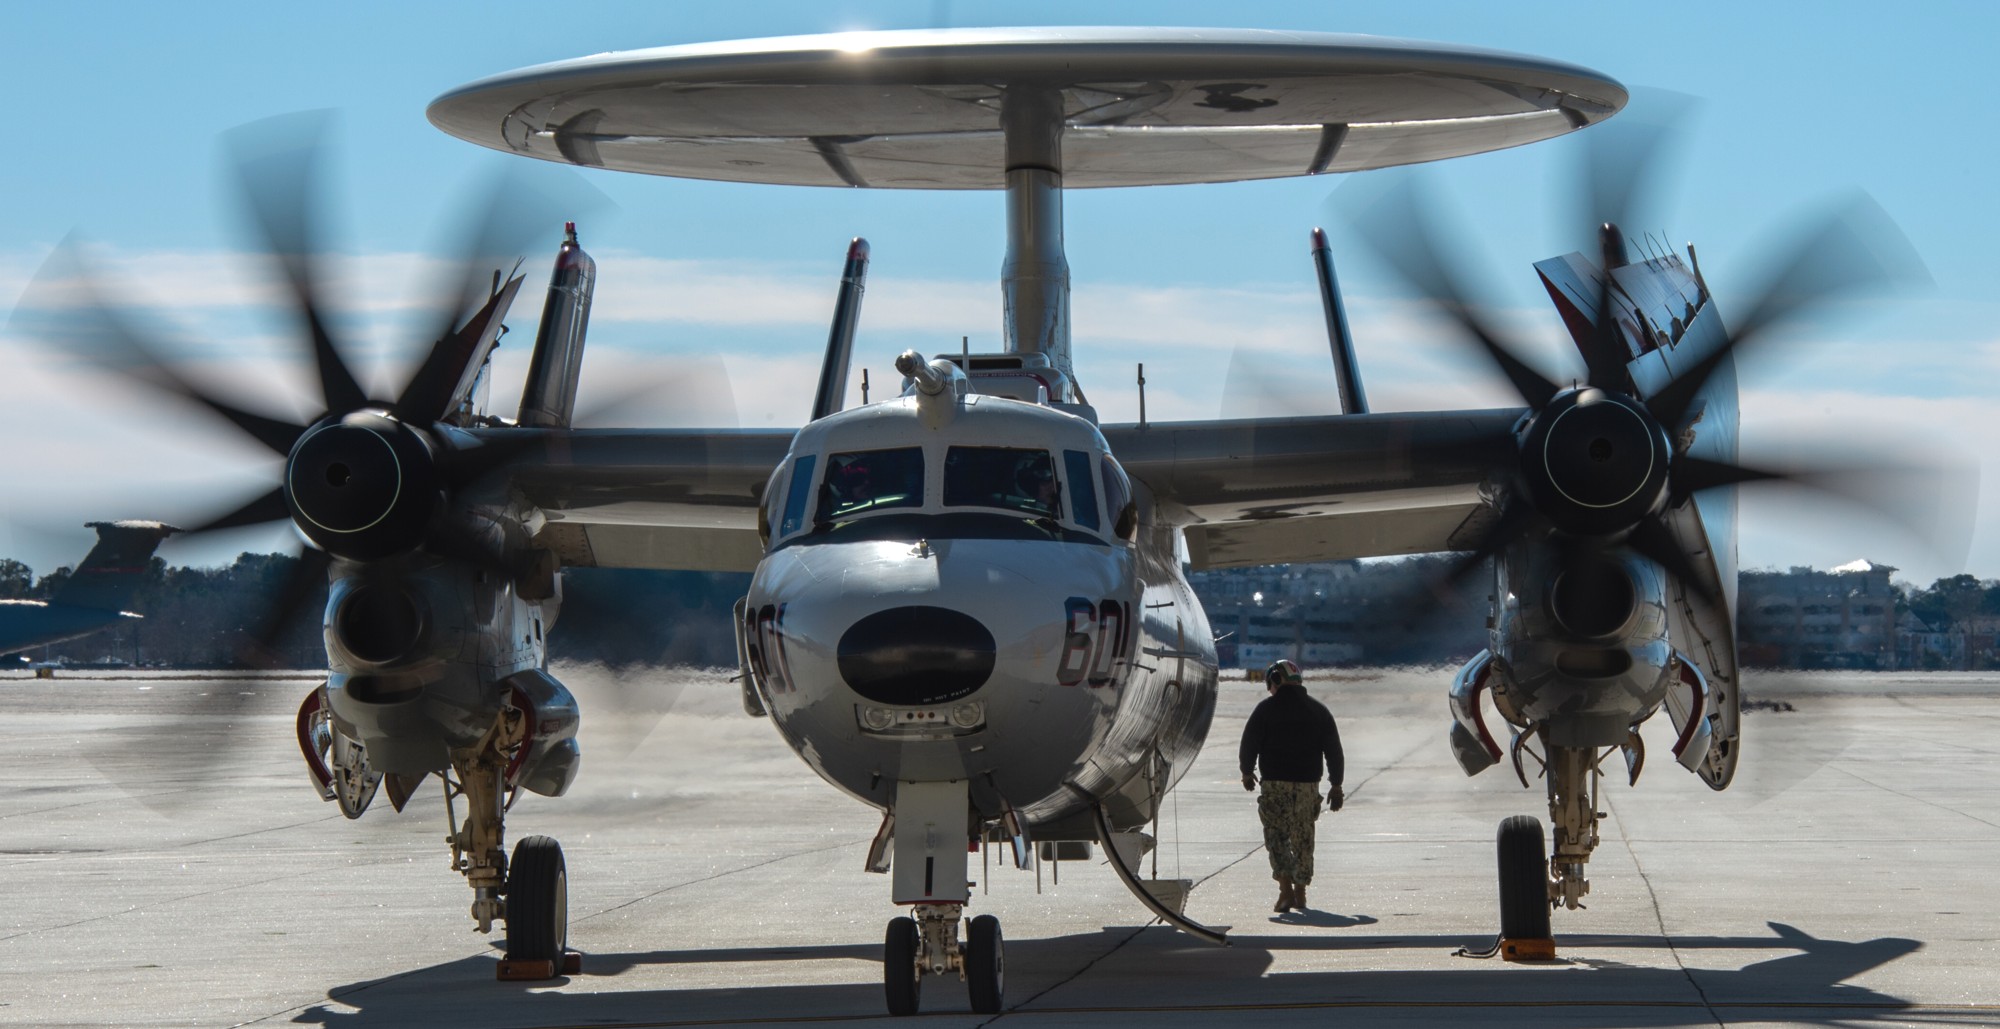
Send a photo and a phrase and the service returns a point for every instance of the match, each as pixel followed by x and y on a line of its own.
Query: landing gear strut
pixel 531 897
pixel 1573 782
pixel 1573 778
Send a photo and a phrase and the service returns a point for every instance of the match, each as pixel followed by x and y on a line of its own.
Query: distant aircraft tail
pixel 112 571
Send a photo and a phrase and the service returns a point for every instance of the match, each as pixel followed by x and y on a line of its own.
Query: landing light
pixel 922 722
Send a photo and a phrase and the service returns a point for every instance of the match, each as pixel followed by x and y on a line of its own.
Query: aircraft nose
pixel 916 655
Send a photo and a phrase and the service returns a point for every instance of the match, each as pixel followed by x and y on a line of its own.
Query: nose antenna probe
pixel 931 378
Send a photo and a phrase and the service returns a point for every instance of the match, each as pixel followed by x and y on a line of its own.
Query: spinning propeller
pixel 369 477
pixel 1599 463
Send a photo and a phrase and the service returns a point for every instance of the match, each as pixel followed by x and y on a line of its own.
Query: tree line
pixel 202 617
pixel 206 617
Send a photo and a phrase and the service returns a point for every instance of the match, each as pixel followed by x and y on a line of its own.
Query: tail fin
pixel 112 571
pixel 549 398
pixel 1345 370
pixel 840 341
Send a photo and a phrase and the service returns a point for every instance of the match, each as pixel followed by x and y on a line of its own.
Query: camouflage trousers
pixel 1289 811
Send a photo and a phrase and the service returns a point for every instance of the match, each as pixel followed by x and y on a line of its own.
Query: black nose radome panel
pixel 916 655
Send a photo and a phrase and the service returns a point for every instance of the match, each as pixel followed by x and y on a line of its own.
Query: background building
pixel 1844 617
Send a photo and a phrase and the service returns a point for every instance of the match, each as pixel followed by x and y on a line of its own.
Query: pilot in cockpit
pixel 870 480
pixel 1037 483
pixel 852 484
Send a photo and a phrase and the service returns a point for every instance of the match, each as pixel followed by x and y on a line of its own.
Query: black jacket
pixel 1288 734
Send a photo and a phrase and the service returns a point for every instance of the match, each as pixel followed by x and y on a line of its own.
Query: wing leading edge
pixel 646 498
pixel 1262 491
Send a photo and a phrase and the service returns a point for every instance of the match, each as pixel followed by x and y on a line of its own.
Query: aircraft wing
pixel 645 498
pixel 1266 490
pixel 1257 491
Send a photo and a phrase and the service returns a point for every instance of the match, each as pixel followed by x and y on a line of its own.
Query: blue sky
pixel 117 108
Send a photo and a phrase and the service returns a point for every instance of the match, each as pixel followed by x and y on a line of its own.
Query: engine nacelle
pixel 1582 643
pixel 414 648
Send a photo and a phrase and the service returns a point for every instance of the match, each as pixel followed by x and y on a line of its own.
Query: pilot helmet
pixel 852 474
pixel 1282 673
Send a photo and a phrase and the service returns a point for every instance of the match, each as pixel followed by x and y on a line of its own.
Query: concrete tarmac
pixel 166 864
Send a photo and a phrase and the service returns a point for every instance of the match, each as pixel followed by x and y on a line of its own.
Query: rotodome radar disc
pixel 921 109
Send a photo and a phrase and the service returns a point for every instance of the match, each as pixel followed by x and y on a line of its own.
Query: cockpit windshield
pixel 861 481
pixel 1017 479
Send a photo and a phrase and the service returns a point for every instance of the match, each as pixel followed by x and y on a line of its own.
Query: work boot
pixel 1285 900
pixel 1299 896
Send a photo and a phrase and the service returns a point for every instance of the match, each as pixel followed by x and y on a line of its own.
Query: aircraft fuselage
pixel 947 624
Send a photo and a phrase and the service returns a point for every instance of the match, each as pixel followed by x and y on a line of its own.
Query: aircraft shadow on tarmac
pixel 1128 969
pixel 1322 919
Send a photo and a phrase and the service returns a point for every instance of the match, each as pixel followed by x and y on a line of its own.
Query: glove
pixel 1335 798
pixel 1249 781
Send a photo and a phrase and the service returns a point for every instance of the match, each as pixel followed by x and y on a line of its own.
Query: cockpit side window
pixel 861 481
pixel 1014 478
pixel 1117 497
pixel 1082 489
pixel 797 494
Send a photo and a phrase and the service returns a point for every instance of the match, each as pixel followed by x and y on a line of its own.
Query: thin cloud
pixel 754 361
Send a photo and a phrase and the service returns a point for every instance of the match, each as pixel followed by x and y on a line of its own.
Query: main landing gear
pixel 1573 777
pixel 530 893
pixel 1532 882
pixel 928 944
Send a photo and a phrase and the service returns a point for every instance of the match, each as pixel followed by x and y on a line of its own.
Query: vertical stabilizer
pixel 110 574
pixel 1352 399
pixel 549 398
pixel 840 339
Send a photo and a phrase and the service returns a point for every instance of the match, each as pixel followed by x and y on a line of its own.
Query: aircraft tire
pixel 902 980
pixel 1524 877
pixel 985 965
pixel 537 902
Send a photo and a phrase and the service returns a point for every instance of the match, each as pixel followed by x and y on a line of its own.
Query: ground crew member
pixel 1291 737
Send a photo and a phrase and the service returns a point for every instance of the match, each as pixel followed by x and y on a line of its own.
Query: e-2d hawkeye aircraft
pixel 969 608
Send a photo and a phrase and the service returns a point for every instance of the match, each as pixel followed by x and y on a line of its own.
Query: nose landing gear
pixel 928 944
pixel 929 827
